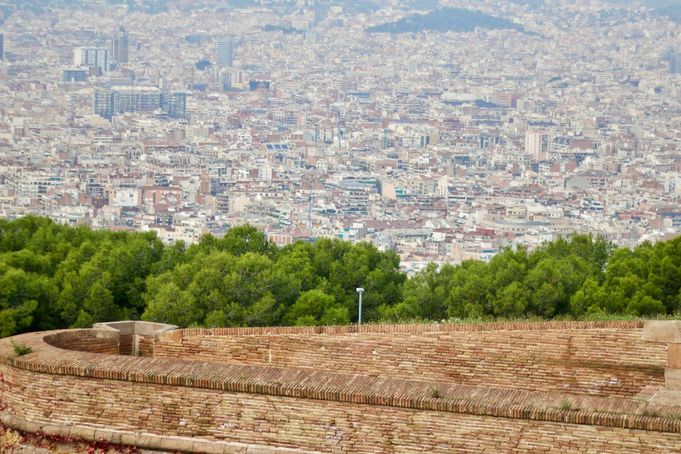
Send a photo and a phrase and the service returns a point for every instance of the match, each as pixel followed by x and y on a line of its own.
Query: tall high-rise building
pixel 674 62
pixel 120 46
pixel 413 66
pixel 224 52
pixel 2 47
pixel 94 58
pixel 537 144
pixel 234 79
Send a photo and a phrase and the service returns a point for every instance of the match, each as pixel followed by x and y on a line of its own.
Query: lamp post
pixel 360 290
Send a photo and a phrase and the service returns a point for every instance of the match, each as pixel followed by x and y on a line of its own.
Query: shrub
pixel 435 393
pixel 21 349
pixel 649 412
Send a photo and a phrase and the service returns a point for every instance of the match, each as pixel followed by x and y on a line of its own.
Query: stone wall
pixel 586 358
pixel 410 388
pixel 85 340
pixel 312 425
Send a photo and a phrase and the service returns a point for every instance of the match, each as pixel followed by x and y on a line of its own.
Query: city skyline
pixel 532 122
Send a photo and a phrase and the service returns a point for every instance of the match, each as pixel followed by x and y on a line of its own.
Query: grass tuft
pixel 435 393
pixel 21 349
pixel 649 412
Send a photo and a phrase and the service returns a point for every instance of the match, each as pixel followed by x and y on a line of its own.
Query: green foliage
pixel 644 305
pixel 310 307
pixel 21 349
pixel 248 282
pixel 435 393
pixel 511 301
pixel 54 276
pixel 424 296
pixel 651 412
pixel 173 305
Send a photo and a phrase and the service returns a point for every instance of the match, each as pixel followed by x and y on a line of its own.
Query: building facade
pixel 120 46
pixel 224 52
pixel 97 59
pixel 111 101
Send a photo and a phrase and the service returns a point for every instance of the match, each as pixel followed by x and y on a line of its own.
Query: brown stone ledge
pixel 408 328
pixel 141 440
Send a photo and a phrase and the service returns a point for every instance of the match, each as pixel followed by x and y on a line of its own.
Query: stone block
pixel 103 435
pixel 116 436
pixel 53 429
pixel 666 331
pixel 149 441
pixel 209 447
pixel 672 379
pixel 177 444
pixel 664 397
pixel 674 353
pixel 255 449
pixel 86 433
pixel 171 336
pixel 128 438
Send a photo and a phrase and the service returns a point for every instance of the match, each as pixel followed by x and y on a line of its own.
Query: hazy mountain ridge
pixel 672 12
pixel 444 20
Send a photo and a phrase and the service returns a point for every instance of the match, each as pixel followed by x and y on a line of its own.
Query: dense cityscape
pixel 315 119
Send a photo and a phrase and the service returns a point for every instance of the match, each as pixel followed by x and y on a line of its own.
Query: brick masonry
pixel 411 388
pixel 85 341
pixel 595 361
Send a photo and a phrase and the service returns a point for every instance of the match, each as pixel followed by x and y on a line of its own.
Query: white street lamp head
pixel 359 289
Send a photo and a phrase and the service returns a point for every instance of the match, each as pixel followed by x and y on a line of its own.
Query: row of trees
pixel 575 277
pixel 54 276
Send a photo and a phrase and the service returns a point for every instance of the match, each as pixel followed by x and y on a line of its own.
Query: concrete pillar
pixel 667 332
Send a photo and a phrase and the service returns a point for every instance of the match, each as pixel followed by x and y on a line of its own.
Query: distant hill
pixel 446 20
pixel 672 12
pixel 670 9
pixel 285 29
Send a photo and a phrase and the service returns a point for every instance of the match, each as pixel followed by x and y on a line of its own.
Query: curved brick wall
pixel 243 397
pixel 596 358
pixel 85 340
